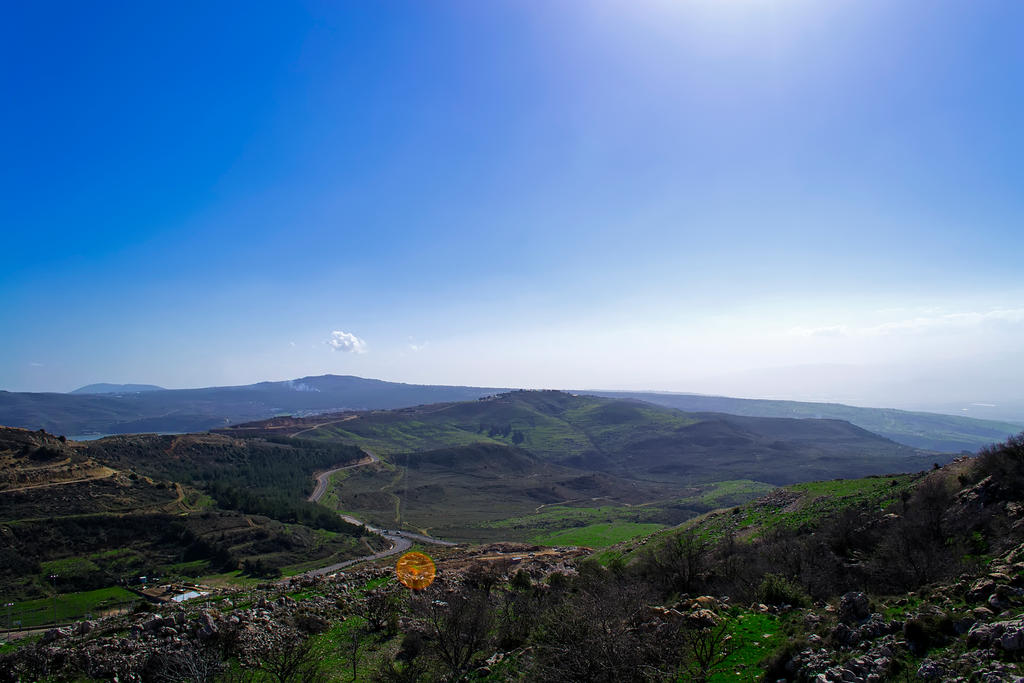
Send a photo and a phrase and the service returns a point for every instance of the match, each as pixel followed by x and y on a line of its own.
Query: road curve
pixel 400 540
pixel 324 478
pixel 398 545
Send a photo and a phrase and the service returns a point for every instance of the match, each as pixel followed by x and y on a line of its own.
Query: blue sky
pixel 644 194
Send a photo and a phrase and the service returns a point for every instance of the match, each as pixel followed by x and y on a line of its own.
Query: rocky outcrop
pixel 853 608
pixel 1005 635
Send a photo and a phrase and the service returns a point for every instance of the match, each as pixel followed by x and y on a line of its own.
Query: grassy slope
pixel 796 506
pixel 459 424
pixel 558 524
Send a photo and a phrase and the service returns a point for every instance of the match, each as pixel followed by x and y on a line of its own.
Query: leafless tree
pixel 680 561
pixel 598 633
pixel 706 650
pixel 380 609
pixel 291 658
pixel 458 627
pixel 352 645
pixel 190 664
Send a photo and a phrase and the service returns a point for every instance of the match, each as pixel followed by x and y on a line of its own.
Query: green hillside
pixel 628 438
pixel 528 465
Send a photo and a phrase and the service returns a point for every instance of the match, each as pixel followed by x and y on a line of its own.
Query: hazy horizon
pixel 772 200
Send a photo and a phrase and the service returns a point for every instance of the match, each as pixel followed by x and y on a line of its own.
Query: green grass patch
pixel 12 645
pixel 375 583
pixel 597 535
pixel 68 567
pixel 727 493
pixel 193 568
pixel 67 606
pixel 299 596
pixel 335 647
pixel 823 498
pixel 232 578
pixel 754 637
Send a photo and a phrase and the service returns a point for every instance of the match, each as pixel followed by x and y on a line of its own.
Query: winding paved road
pixel 400 540
pixel 324 478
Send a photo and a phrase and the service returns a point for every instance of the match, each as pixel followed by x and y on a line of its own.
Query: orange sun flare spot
pixel 415 570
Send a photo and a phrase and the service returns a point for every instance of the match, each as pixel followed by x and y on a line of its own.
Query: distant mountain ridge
pixel 99 409
pixel 105 388
pixel 194 410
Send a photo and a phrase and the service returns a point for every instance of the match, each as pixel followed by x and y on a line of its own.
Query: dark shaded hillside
pixel 930 431
pixel 271 477
pixel 773 450
pixel 458 492
pixel 193 410
pixel 480 459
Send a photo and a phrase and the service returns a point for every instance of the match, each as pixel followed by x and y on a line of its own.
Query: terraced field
pixel 76 518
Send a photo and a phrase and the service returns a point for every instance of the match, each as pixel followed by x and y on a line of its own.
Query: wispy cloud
pixel 921 324
pixel 347 342
pixel 416 346
pixel 827 331
pixel 36 365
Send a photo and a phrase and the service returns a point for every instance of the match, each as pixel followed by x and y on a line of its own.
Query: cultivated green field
pixel 597 535
pixel 67 607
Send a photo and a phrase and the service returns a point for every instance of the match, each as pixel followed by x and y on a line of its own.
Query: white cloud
pixel 347 342
pixel 416 346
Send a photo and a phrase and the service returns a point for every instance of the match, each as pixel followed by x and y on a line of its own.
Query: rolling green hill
pixel 623 438
pixel 530 464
